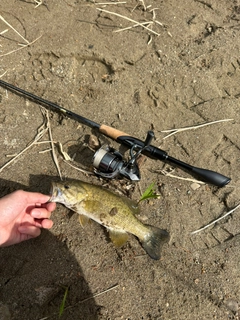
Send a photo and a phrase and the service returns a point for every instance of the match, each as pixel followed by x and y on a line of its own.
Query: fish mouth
pixel 55 192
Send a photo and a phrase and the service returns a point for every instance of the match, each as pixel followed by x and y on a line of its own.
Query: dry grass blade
pixel 3 74
pixel 55 159
pixel 109 3
pixel 38 3
pixel 168 174
pixel 45 127
pixel 95 295
pixel 24 46
pixel 41 131
pixel 129 19
pixel 4 31
pixel 84 300
pixel 64 153
pixel 78 169
pixel 215 221
pixel 135 25
pixel 10 26
pixel 174 131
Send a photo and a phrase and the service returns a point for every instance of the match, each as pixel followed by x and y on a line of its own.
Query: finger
pixel 47 224
pixel 40 213
pixel 50 206
pixel 29 231
pixel 43 223
pixel 38 198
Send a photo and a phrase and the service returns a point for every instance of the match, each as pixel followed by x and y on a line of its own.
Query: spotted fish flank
pixel 113 211
pixel 116 213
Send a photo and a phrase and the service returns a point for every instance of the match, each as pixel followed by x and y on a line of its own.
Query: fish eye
pixel 66 186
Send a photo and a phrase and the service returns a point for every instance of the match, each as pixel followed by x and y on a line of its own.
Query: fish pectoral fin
pixel 118 238
pixel 83 220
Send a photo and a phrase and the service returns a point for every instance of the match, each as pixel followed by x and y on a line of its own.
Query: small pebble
pixel 93 142
pixel 195 186
pixel 4 312
pixel 232 305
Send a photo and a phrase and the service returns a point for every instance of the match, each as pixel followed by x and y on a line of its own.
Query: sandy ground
pixel 184 71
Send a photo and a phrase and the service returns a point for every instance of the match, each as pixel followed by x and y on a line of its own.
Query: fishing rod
pixel 109 162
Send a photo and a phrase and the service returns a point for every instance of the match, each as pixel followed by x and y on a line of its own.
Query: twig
pixel 24 46
pixel 174 131
pixel 215 221
pixel 126 18
pixel 10 26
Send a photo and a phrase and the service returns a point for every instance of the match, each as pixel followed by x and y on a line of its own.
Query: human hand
pixel 22 215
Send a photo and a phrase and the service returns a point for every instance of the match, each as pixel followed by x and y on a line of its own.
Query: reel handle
pixel 149 138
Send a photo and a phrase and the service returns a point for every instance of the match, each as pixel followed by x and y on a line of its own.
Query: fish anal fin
pixel 83 220
pixel 118 238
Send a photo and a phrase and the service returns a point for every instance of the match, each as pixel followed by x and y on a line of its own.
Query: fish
pixel 115 212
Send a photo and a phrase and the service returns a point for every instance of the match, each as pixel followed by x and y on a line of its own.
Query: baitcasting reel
pixel 109 163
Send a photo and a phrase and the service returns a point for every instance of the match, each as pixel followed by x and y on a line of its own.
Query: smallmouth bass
pixel 116 213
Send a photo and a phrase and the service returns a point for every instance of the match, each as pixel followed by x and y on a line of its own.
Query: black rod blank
pixel 208 176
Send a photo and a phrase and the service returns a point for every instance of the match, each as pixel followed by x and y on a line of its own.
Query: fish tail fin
pixel 154 242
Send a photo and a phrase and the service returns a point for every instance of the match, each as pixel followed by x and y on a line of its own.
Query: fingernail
pixel 36 213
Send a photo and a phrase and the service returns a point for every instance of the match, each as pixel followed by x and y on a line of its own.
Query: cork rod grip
pixel 111 132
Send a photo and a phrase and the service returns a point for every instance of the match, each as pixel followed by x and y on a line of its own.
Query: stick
pixel 215 221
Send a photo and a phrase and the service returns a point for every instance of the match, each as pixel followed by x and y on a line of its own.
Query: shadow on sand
pixel 34 274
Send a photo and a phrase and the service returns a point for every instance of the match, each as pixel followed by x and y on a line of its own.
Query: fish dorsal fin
pixel 83 220
pixel 118 238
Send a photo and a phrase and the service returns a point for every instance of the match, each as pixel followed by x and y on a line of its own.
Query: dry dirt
pixel 133 80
